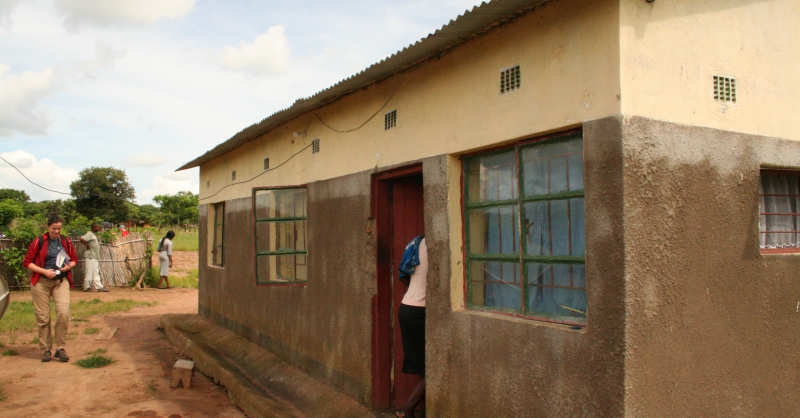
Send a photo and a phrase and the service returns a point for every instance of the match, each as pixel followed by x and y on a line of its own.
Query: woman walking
pixel 165 258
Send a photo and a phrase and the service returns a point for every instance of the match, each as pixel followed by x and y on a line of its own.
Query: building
pixel 609 191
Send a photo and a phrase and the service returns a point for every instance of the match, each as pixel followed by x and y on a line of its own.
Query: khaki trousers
pixel 59 291
pixel 91 274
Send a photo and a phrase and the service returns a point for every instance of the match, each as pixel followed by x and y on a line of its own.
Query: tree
pixel 64 208
pixel 144 214
pixel 9 210
pixel 178 209
pixel 13 194
pixel 101 192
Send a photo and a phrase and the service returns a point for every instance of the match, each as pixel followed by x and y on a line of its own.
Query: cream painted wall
pixel 671 50
pixel 568 52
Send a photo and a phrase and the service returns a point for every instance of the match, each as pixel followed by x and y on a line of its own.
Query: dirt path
pixel 136 385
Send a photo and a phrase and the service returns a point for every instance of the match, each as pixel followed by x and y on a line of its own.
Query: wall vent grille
pixel 724 89
pixel 510 79
pixel 315 146
pixel 266 163
pixel 208 184
pixel 390 120
pixel 233 175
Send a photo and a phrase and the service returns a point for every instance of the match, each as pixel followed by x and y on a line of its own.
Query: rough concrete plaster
pixel 322 328
pixel 481 364
pixel 711 323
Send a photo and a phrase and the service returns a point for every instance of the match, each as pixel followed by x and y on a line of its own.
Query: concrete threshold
pixel 260 383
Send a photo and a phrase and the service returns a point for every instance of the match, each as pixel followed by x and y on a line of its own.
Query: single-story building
pixel 609 194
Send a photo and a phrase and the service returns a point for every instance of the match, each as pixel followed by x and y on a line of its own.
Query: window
pixel 525 235
pixel 390 120
pixel 780 211
pixel 266 163
pixel 233 175
pixel 280 219
pixel 218 252
pixel 510 79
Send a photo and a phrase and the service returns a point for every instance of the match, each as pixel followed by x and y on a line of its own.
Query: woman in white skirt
pixel 165 258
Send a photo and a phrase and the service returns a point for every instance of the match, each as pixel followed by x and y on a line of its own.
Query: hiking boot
pixel 61 355
pixel 46 356
pixel 102 289
pixel 88 289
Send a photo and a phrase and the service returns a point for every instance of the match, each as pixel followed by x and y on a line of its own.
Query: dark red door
pixel 407 221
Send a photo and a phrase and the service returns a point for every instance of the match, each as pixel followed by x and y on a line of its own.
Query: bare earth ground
pixel 136 385
pixel 181 260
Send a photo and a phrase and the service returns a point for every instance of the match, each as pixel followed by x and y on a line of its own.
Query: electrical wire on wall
pixel 368 119
pixel 259 174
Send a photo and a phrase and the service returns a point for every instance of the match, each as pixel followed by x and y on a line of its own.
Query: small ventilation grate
pixel 724 89
pixel 315 146
pixel 233 175
pixel 390 120
pixel 208 184
pixel 510 79
pixel 266 163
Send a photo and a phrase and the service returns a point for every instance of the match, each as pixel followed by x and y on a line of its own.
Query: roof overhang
pixel 471 24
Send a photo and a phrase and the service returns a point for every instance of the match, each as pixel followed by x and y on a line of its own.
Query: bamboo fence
pixel 121 261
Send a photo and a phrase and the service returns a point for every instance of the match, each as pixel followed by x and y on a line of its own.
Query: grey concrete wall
pixel 489 365
pixel 712 323
pixel 322 328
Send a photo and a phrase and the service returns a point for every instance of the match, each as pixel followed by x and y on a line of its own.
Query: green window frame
pixel 281 253
pixel 524 217
pixel 218 249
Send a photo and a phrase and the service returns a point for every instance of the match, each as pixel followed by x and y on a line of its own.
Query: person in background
pixel 124 232
pixel 411 316
pixel 91 269
pixel 51 258
pixel 165 258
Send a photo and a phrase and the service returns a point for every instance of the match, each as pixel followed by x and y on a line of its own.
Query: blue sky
pixel 148 85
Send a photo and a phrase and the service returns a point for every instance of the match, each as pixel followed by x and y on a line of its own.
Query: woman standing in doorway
pixel 411 316
pixel 165 258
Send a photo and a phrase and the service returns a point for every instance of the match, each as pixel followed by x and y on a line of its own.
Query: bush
pixel 23 231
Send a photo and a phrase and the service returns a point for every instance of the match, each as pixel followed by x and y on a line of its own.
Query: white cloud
pixel 20 94
pixel 170 183
pixel 6 7
pixel 148 159
pixel 121 12
pixel 105 56
pixel 43 172
pixel 266 56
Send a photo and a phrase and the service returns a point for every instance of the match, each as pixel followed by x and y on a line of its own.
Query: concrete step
pixel 260 383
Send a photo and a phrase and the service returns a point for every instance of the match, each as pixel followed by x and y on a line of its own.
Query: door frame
pixel 381 302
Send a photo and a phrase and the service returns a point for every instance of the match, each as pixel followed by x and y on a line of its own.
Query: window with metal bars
pixel 780 211
pixel 510 79
pixel 266 163
pixel 724 89
pixel 525 233
pixel 315 146
pixel 280 235
pixel 390 120
pixel 218 251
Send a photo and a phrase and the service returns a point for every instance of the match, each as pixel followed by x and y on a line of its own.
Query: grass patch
pixel 80 320
pixel 35 340
pixel 98 351
pixel 151 387
pixel 183 241
pixel 91 331
pixel 20 314
pixel 187 282
pixel 94 362
pixel 10 352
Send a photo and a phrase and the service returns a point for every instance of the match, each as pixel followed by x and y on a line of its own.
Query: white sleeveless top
pixel 415 296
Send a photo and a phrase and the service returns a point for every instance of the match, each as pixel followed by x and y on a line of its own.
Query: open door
pixel 399 216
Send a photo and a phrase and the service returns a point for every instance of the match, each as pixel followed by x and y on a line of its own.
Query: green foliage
pixel 178 209
pixel 102 192
pixel 186 282
pixel 98 351
pixel 10 352
pixel 23 231
pixel 13 194
pixel 91 331
pixel 107 236
pixel 10 210
pixel 64 208
pixel 79 226
pixel 94 362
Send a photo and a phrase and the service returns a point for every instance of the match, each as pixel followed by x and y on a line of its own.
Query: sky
pixel 148 85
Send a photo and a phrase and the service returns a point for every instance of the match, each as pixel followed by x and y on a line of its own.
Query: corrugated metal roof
pixel 479 20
